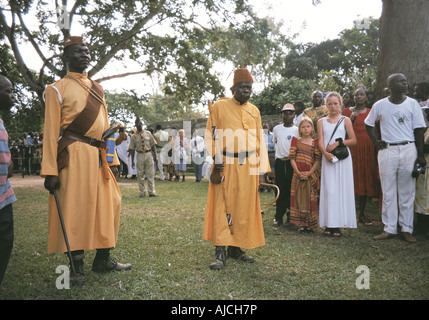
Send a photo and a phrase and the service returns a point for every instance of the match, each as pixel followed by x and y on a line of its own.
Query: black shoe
pixel 105 263
pixel 219 260
pixel 238 254
pixel 78 276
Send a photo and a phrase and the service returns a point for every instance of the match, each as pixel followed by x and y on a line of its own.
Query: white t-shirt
pixel 397 121
pixel 197 144
pixel 297 119
pixel 282 136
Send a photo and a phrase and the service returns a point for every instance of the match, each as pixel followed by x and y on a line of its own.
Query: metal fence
pixel 27 159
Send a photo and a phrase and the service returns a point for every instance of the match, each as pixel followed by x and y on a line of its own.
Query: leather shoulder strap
pixel 81 124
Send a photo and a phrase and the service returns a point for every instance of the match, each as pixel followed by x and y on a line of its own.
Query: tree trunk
pixel 404 42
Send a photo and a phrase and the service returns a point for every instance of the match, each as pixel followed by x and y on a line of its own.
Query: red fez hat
pixel 242 75
pixel 74 40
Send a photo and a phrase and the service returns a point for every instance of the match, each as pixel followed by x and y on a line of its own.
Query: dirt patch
pixel 32 181
pixel 28 181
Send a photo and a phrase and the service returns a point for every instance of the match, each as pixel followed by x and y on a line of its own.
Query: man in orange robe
pixel 233 214
pixel 88 194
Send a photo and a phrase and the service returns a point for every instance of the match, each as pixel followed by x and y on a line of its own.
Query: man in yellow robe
pixel 88 194
pixel 233 214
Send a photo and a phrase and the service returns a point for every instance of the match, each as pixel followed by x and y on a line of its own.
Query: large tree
pixel 404 41
pixel 349 60
pixel 25 115
pixel 170 38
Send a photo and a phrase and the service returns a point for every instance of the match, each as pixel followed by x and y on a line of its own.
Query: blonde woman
pixel 337 201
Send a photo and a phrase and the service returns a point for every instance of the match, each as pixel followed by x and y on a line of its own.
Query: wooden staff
pixel 273 186
pixel 64 232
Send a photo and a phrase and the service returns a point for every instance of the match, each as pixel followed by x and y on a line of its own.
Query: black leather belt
pixel 240 155
pixel 91 141
pixel 400 143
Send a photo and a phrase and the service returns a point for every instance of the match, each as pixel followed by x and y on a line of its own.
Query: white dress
pixel 337 200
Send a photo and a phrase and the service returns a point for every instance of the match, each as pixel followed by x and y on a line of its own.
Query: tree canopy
pixel 177 41
pixel 340 64
pixel 180 44
pixel 172 38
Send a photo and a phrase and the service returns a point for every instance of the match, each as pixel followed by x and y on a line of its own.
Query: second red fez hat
pixel 242 75
pixel 74 40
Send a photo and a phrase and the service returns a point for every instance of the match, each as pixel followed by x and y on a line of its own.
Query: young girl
pixel 337 199
pixel 305 159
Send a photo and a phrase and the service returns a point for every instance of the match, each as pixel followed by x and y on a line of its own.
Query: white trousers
pixel 396 164
pixel 160 167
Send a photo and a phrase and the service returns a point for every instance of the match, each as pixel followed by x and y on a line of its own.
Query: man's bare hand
pixel 52 183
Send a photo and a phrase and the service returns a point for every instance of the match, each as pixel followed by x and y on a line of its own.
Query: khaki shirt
pixel 142 141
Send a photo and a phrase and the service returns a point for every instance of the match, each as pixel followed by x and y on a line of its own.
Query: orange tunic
pixel 239 130
pixel 90 204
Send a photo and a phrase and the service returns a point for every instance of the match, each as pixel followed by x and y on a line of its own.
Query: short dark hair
pixel 299 104
pixel 424 87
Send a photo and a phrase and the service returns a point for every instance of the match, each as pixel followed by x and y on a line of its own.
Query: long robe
pixel 90 203
pixel 239 130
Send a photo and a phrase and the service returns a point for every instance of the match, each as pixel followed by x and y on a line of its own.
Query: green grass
pixel 162 238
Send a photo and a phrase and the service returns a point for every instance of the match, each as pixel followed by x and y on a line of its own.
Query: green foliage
pixel 163 37
pixel 341 65
pixel 25 116
pixel 124 107
pixel 350 60
pixel 287 90
pixel 181 49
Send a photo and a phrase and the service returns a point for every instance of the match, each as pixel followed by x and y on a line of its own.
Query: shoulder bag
pixel 341 152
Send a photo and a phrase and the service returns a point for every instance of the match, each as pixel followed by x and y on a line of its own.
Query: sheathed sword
pixel 64 232
pixel 219 155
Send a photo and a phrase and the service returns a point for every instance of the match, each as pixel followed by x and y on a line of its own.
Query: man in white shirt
pixel 162 140
pixel 400 152
pixel 282 136
pixel 197 151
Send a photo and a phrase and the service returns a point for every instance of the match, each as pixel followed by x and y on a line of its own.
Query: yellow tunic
pixel 90 204
pixel 239 130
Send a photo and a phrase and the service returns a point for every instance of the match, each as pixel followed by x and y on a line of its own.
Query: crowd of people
pixel 321 157
pixel 26 152
pixel 329 154
pixel 168 154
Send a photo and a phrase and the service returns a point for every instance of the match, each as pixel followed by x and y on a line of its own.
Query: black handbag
pixel 341 152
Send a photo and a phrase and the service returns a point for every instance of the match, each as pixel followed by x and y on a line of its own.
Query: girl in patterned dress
pixel 305 159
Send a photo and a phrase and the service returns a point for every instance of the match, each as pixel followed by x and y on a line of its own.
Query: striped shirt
pixel 7 195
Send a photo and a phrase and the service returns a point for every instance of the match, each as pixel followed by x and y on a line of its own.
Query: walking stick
pixel 218 155
pixel 64 232
pixel 273 186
